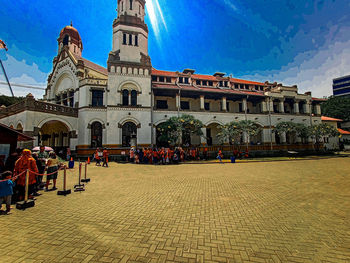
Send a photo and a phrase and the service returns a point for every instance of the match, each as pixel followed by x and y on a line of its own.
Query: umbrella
pixel 47 149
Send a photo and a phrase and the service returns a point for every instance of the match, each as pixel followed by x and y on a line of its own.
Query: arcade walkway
pixel 296 211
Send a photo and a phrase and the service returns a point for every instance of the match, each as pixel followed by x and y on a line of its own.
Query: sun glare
pixel 156 17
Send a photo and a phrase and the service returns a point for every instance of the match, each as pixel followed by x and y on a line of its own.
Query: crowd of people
pixel 13 175
pixel 165 155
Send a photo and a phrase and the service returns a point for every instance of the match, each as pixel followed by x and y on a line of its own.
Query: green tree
pixel 323 130
pixel 177 130
pixel 7 101
pixel 229 132
pixel 284 127
pixel 232 132
pixel 337 107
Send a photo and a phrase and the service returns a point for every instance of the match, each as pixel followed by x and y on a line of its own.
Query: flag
pixel 3 45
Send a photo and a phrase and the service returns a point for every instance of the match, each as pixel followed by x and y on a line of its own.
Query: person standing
pixel 24 163
pixel 42 159
pixel 6 191
pixel 105 158
pixel 97 157
pixel 52 171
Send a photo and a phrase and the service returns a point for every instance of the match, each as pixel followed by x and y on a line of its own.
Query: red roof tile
pixel 163 73
pixel 343 132
pixel 318 99
pixel 205 77
pixel 324 118
pixel 216 90
pixel 242 81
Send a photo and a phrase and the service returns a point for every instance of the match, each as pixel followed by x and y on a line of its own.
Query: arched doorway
pixel 291 137
pixel 96 134
pixel 211 134
pixel 129 134
pixel 54 134
pixel 257 139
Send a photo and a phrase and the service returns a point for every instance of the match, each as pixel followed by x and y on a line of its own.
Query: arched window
pixel 130 4
pixel 96 134
pixel 125 97
pixel 134 98
pixel 66 40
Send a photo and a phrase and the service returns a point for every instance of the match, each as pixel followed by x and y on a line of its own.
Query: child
pixel 52 170
pixel 6 191
pixel 220 156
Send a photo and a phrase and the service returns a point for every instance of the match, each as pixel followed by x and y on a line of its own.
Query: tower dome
pixel 69 36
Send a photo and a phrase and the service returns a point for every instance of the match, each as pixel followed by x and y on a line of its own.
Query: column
pixel 129 97
pixel 271 105
pixel 177 101
pixel 306 107
pixel 202 102
pixel 263 106
pixel 318 109
pixel 281 106
pixel 223 104
pixel 244 104
pixel 296 107
pixel 204 137
pixel 61 96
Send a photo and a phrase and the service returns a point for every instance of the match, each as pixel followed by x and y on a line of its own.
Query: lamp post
pixel 3 46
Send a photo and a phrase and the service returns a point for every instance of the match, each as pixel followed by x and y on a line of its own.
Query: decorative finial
pixel 71 23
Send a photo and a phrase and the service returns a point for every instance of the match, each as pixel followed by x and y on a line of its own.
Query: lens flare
pixel 156 17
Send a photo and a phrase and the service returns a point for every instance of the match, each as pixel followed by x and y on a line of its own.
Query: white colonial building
pixel 87 106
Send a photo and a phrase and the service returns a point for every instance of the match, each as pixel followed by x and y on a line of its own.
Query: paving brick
pixel 256 212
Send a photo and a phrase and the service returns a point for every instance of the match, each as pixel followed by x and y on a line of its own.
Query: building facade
pixel 341 86
pixel 87 106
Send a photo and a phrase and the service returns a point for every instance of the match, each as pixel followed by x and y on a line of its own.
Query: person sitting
pixel 52 171
pixel 6 191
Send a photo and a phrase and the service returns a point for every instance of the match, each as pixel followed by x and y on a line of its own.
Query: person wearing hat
pixel 52 170
pixel 24 163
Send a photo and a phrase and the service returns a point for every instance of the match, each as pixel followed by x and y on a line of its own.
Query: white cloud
pixel 19 72
pixel 313 73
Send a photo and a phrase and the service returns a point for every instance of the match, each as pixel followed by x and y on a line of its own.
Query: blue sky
pixel 290 41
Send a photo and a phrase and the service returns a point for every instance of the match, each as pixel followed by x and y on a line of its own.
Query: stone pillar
pixel 306 107
pixel 281 106
pixel 264 106
pixel 204 137
pixel 244 104
pixel 296 107
pixel 61 96
pixel 223 104
pixel 129 98
pixel 178 101
pixel 318 109
pixel 202 102
pixel 271 105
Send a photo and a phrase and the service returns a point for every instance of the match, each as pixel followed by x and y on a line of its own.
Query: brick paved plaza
pixel 296 211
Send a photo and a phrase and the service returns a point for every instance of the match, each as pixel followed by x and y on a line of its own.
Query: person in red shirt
pixel 97 158
pixel 24 163
pixel 105 158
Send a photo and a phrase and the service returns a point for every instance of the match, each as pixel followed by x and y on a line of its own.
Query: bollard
pixel 85 180
pixel 79 187
pixel 22 205
pixel 65 191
